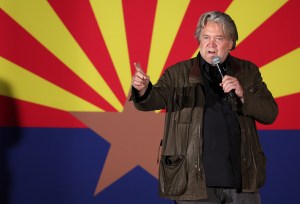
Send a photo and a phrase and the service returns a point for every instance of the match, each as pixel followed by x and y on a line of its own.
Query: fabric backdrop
pixel 68 134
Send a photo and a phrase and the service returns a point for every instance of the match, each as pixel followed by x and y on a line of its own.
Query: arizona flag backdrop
pixel 68 135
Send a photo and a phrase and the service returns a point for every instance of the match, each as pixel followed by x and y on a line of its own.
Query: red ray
pixel 21 48
pixel 185 44
pixel 79 19
pixel 288 118
pixel 139 19
pixel 274 38
pixel 17 113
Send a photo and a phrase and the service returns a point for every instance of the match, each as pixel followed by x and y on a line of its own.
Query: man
pixel 210 149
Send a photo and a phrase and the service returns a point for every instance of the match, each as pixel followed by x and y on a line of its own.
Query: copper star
pixel 134 138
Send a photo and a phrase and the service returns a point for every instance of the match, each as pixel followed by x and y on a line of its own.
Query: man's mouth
pixel 212 52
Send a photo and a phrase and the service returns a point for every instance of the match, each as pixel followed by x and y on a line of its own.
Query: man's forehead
pixel 213 33
pixel 213 28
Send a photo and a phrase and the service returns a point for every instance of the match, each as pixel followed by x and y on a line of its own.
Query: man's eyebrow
pixel 221 35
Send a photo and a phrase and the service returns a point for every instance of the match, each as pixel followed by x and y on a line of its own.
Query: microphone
pixel 216 61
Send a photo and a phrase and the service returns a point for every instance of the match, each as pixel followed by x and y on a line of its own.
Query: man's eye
pixel 219 39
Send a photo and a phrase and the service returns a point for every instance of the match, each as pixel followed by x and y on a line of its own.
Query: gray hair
pixel 223 19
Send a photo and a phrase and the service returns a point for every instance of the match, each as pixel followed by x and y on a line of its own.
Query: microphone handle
pixel 220 70
pixel 232 92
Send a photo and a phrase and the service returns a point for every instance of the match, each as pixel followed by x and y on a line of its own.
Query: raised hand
pixel 140 80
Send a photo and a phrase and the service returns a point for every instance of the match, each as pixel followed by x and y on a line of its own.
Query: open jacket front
pixel 180 90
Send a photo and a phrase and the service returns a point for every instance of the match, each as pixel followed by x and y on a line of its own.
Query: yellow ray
pixel 27 86
pixel 249 15
pixel 168 18
pixel 109 15
pixel 282 74
pixel 40 20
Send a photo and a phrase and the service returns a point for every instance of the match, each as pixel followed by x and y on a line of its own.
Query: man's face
pixel 213 42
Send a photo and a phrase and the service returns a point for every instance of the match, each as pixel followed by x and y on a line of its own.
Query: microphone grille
pixel 216 60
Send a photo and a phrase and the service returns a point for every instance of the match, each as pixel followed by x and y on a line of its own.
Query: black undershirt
pixel 221 134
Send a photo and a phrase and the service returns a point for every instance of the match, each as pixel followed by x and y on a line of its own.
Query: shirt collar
pixel 197 67
pixel 225 64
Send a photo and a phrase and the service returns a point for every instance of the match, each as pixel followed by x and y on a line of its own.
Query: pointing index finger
pixel 137 66
pixel 139 69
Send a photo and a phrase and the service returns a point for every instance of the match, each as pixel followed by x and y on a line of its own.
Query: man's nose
pixel 212 42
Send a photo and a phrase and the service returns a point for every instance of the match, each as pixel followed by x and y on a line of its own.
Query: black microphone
pixel 216 61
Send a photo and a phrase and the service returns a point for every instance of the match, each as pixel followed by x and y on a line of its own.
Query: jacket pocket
pixel 172 175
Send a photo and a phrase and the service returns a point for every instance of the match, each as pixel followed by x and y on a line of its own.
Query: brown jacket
pixel 181 91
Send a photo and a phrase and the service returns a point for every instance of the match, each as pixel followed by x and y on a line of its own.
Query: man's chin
pixel 209 59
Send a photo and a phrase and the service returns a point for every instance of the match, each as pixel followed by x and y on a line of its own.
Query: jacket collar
pixel 195 72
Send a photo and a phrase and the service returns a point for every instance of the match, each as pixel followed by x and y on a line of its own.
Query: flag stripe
pixel 166 25
pixel 249 15
pixel 20 48
pixel 80 21
pixel 273 38
pixel 30 87
pixel 139 22
pixel 18 113
pixel 282 84
pixel 57 39
pixel 109 15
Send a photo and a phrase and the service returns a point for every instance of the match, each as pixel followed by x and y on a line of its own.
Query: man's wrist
pixel 142 92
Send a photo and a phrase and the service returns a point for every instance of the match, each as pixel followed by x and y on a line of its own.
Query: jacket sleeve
pixel 156 96
pixel 258 100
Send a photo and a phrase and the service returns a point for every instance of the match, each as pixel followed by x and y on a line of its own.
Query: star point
pixel 134 138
